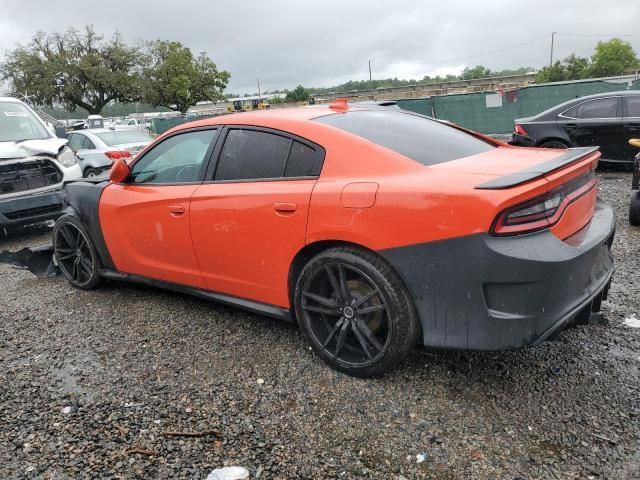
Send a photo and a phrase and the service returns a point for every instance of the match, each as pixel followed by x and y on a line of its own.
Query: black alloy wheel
pixel 74 254
pixel 355 312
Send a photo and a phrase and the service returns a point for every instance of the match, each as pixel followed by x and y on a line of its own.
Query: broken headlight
pixel 66 157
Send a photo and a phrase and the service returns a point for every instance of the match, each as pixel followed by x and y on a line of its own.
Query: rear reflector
pixel 544 211
pixel 117 154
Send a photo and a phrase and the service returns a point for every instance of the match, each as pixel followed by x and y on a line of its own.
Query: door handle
pixel 571 126
pixel 176 210
pixel 285 207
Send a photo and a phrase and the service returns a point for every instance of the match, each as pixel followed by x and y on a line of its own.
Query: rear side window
pixel 303 161
pixel 421 139
pixel 601 108
pixel 75 141
pixel 249 154
pixel 633 106
pixel 253 155
pixel 88 144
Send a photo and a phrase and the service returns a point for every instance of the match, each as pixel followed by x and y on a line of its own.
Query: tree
pixel 476 72
pixel 613 58
pixel 75 69
pixel 555 73
pixel 177 80
pixel 576 67
pixel 299 94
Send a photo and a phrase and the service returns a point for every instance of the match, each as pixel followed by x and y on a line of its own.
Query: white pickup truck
pixel 34 164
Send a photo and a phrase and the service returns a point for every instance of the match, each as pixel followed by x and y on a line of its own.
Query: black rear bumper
pixel 498 293
pixel 31 208
pixel 522 140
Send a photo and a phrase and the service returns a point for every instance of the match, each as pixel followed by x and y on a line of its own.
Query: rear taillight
pixel 117 154
pixel 544 211
pixel 519 129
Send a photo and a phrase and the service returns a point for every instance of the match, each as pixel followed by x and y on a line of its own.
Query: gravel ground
pixel 88 376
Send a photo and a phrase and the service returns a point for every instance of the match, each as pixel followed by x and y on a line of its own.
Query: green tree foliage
pixel 299 94
pixel 613 58
pixel 476 72
pixel 74 69
pixel 175 79
pixel 610 58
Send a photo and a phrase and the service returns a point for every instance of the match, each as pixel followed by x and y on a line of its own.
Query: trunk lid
pixel 511 176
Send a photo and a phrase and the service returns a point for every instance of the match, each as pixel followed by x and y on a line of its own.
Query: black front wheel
pixel 75 254
pixel 355 311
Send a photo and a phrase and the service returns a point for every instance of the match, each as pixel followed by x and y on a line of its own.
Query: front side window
pixel 178 159
pixel 251 154
pixel 424 140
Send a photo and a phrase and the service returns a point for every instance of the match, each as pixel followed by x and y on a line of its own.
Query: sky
pixel 324 43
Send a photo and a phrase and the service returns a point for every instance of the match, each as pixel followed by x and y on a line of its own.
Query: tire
pixel 92 172
pixel 634 209
pixel 75 254
pixel 553 144
pixel 355 311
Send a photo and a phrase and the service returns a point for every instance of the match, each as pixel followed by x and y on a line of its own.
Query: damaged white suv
pixel 34 164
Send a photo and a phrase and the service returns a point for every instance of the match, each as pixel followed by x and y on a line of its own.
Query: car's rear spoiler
pixel 513 179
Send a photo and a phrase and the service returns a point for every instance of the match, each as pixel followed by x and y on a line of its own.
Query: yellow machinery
pixel 246 105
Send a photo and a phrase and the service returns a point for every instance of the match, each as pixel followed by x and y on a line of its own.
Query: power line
pixel 598 34
pixel 511 47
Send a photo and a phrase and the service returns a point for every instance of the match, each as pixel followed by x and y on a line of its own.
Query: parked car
pixel 34 163
pixel 373 229
pixel 606 120
pixel 97 148
pixel 634 204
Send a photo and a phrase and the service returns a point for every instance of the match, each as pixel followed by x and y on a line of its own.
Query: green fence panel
pixel 490 112
pixel 161 125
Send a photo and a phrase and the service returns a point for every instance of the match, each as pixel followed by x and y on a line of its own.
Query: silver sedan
pixel 97 148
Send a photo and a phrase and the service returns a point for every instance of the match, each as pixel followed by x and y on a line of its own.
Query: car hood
pixel 30 148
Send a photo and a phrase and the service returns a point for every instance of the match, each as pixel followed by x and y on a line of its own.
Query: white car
pixel 97 148
pixel 34 164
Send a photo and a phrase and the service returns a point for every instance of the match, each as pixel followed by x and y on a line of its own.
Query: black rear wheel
pixel 634 209
pixel 553 144
pixel 75 254
pixel 355 311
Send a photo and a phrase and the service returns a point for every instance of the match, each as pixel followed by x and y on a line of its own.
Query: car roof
pixel 271 117
pixel 10 99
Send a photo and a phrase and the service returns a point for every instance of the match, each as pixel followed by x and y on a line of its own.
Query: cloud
pixel 288 42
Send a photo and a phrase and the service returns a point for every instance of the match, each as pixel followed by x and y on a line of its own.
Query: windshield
pixel 18 123
pixel 120 137
pixel 417 137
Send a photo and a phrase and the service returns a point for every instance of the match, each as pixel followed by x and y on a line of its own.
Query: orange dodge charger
pixel 374 229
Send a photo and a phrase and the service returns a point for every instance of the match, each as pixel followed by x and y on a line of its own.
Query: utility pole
pixel 370 82
pixel 259 94
pixel 553 34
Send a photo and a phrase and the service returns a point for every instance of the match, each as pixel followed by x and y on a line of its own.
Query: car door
pixel 145 220
pixel 630 124
pixel 596 122
pixel 249 219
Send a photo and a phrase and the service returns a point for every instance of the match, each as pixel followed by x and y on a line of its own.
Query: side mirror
pixel 120 171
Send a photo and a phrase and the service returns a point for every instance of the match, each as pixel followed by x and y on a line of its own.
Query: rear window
pixel 421 139
pixel 120 137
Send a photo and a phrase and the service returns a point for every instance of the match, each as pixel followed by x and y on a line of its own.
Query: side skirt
pixel 250 305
